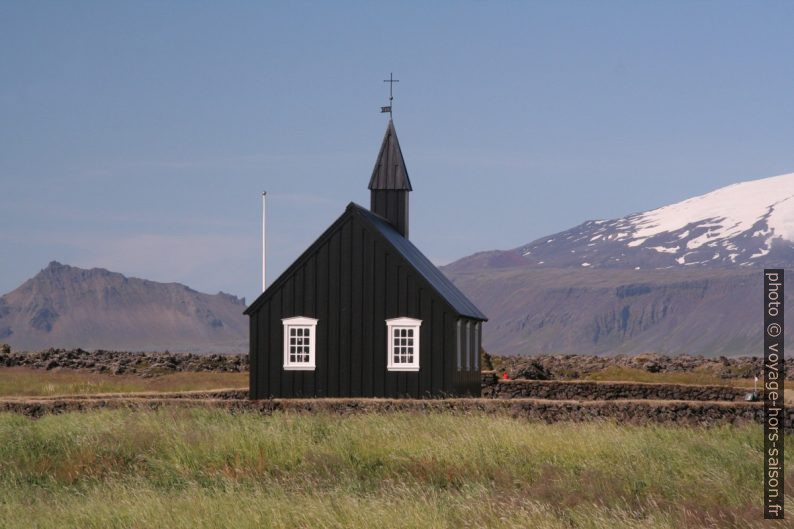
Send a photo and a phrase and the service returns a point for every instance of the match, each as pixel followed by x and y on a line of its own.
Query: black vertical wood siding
pixel 352 282
pixel 392 205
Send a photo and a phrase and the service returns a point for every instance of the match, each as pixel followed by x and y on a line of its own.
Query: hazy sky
pixel 137 136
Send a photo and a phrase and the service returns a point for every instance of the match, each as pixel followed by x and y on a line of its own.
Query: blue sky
pixel 137 136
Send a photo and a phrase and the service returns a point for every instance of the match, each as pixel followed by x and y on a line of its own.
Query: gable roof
pixel 390 171
pixel 437 281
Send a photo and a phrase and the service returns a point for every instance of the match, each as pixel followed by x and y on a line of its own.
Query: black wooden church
pixel 362 312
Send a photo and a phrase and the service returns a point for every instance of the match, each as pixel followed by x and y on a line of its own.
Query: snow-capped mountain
pixel 649 281
pixel 745 224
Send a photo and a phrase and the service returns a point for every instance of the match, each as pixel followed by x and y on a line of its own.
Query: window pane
pixel 299 346
pixel 403 349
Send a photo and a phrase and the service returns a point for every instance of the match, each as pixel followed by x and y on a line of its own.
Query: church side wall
pixel 462 364
pixel 253 357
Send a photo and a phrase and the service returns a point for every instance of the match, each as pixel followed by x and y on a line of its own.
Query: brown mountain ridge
pixel 66 306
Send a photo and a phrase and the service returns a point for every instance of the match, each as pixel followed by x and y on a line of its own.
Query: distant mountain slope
pixel 64 306
pixel 532 311
pixel 684 278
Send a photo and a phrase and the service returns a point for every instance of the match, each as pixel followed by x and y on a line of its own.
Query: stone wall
pixel 493 387
pixel 559 367
pixel 550 411
pixel 122 362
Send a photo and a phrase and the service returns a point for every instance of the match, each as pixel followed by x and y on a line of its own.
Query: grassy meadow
pixel 202 468
pixel 628 374
pixel 21 381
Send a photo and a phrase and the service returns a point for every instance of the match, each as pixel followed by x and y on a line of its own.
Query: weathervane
pixel 391 80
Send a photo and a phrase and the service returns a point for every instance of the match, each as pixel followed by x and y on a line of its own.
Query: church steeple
pixel 390 185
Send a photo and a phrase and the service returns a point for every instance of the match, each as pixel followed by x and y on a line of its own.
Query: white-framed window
pixel 402 344
pixel 299 343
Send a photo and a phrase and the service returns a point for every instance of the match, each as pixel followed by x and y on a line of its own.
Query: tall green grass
pixel 202 468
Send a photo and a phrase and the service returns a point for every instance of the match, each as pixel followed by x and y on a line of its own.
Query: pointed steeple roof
pixel 390 171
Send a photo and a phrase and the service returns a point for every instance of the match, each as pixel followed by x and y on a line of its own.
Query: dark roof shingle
pixel 390 171
pixel 441 283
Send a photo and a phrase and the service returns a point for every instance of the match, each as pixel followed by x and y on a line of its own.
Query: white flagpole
pixel 264 240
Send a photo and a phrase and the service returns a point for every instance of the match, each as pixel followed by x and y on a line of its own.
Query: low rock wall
pixel 549 411
pixel 123 362
pixel 557 367
pixel 212 394
pixel 493 387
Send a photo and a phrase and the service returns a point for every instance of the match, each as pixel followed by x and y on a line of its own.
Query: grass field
pixel 627 374
pixel 22 381
pixel 200 468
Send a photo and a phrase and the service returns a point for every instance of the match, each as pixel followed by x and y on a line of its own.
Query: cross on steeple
pixel 391 80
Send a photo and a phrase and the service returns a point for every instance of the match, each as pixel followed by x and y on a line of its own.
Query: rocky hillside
pixel 558 311
pixel 65 306
pixel 684 278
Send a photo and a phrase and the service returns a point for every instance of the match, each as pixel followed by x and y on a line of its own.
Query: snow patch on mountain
pixel 733 210
pixel 664 249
